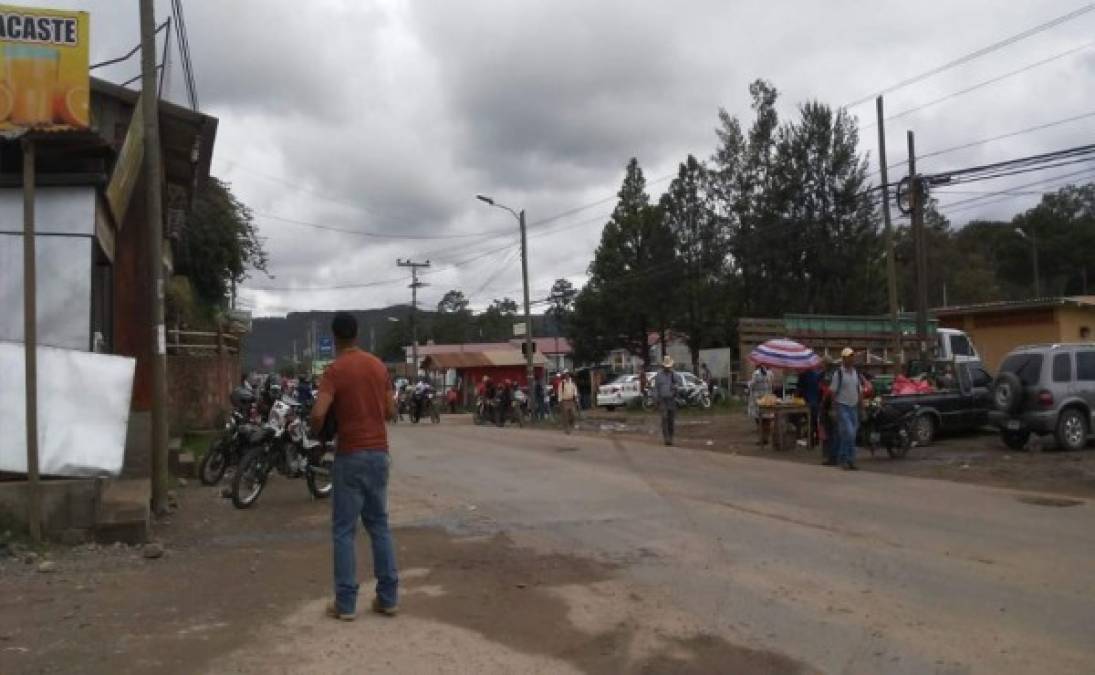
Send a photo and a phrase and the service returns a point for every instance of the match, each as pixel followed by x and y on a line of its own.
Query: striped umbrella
pixel 786 354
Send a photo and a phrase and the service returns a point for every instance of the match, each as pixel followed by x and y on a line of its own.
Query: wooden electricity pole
pixel 30 344
pixel 891 263
pixel 154 213
pixel 415 285
pixel 916 202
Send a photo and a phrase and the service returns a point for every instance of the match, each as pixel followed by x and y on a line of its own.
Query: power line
pixel 183 40
pixel 128 55
pixel 368 233
pixel 971 56
pixel 984 83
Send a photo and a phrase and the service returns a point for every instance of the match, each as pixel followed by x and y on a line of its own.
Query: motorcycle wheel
pixel 250 478
pixel 213 463
pixel 705 401
pixel 318 476
pixel 901 446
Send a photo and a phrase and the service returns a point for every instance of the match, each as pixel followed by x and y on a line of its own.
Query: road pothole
pixel 1050 501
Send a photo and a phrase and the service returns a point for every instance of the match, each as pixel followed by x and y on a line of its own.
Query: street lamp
pixel 530 371
pixel 1033 239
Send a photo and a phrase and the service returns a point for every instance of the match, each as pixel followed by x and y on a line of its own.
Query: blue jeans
pixel 360 489
pixel 848 422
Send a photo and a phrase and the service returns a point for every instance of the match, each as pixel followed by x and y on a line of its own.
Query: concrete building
pixel 998 327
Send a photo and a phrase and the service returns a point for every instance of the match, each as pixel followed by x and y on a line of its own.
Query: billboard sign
pixel 43 70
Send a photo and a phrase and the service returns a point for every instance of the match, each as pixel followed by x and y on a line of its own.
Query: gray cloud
pixel 390 115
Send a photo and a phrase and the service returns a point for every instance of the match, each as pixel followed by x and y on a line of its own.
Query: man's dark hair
pixel 344 326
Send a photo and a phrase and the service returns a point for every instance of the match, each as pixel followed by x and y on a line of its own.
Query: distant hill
pixel 273 337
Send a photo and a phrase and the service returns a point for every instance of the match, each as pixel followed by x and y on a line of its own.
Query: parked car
pixel 1046 389
pixel 619 392
pixel 964 407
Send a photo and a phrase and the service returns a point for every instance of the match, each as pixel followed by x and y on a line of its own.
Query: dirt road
pixel 526 551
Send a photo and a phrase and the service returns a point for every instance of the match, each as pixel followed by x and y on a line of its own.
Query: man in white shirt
pixel 848 402
pixel 568 401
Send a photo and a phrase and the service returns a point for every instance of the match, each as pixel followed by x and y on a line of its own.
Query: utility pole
pixel 1034 255
pixel 530 370
pixel 916 202
pixel 30 344
pixel 891 263
pixel 154 206
pixel 415 285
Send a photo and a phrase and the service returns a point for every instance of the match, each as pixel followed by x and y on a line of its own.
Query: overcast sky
pixel 390 116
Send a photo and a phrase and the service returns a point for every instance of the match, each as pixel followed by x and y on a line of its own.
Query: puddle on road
pixel 517 597
pixel 1050 501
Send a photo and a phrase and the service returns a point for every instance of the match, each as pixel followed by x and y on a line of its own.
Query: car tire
pixel 610 408
pixel 1071 430
pixel 1007 392
pixel 1015 440
pixel 923 430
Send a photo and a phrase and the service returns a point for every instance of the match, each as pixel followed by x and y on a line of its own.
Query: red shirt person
pixel 355 389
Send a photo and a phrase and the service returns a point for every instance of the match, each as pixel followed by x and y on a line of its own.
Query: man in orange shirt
pixel 355 389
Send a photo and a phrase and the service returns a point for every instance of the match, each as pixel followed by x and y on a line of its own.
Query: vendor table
pixel 780 413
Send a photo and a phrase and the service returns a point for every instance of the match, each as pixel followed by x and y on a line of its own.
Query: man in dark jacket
pixel 665 393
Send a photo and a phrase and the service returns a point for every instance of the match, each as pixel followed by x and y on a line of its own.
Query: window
pixel 1085 366
pixel 1062 368
pixel 960 346
pixel 1027 366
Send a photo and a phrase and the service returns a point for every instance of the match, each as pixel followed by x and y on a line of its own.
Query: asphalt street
pixel 841 571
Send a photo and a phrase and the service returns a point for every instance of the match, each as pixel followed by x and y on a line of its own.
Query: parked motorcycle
pixel 422 402
pixel 227 448
pixel 283 443
pixel 694 397
pixel 885 426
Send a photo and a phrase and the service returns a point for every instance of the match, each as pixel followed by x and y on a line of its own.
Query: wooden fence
pixel 202 342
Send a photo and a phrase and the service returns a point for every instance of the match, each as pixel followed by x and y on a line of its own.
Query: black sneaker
pixel 851 466
pixel 381 609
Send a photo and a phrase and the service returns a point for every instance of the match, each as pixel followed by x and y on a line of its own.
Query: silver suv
pixel 1046 389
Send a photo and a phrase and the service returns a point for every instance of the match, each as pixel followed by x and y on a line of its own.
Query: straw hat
pixel 847 351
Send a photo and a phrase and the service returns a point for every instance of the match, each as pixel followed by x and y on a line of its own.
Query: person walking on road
pixel 665 393
pixel 355 390
pixel 848 401
pixel 568 401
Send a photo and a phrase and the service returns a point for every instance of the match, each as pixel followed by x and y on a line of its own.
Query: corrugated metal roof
pixel 1013 305
pixel 486 359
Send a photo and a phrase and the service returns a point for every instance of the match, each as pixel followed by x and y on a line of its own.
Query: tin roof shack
pixel 500 364
pixel 998 327
pixel 94 278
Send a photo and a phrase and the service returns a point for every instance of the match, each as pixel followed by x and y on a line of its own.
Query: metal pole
pixel 30 344
pixel 1034 255
pixel 917 197
pixel 414 317
pixel 530 370
pixel 891 264
pixel 154 206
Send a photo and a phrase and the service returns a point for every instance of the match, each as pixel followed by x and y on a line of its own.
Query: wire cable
pixel 974 55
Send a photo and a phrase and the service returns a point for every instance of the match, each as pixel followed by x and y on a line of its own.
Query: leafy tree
pixel 453 323
pixel 218 245
pixel 560 303
pixel 702 247
pixel 628 292
pixel 495 324
pixel 1063 226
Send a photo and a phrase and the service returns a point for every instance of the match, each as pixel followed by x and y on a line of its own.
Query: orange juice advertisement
pixel 43 69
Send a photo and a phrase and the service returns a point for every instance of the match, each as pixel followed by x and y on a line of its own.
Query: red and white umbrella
pixel 786 354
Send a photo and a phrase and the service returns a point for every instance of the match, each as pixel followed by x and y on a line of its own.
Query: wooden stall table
pixel 780 413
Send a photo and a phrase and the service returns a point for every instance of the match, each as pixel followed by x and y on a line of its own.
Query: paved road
pixel 842 572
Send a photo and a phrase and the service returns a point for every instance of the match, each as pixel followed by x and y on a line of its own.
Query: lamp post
pixel 530 371
pixel 1033 239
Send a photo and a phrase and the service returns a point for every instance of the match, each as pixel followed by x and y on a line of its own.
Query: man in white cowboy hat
pixel 665 393
pixel 848 400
